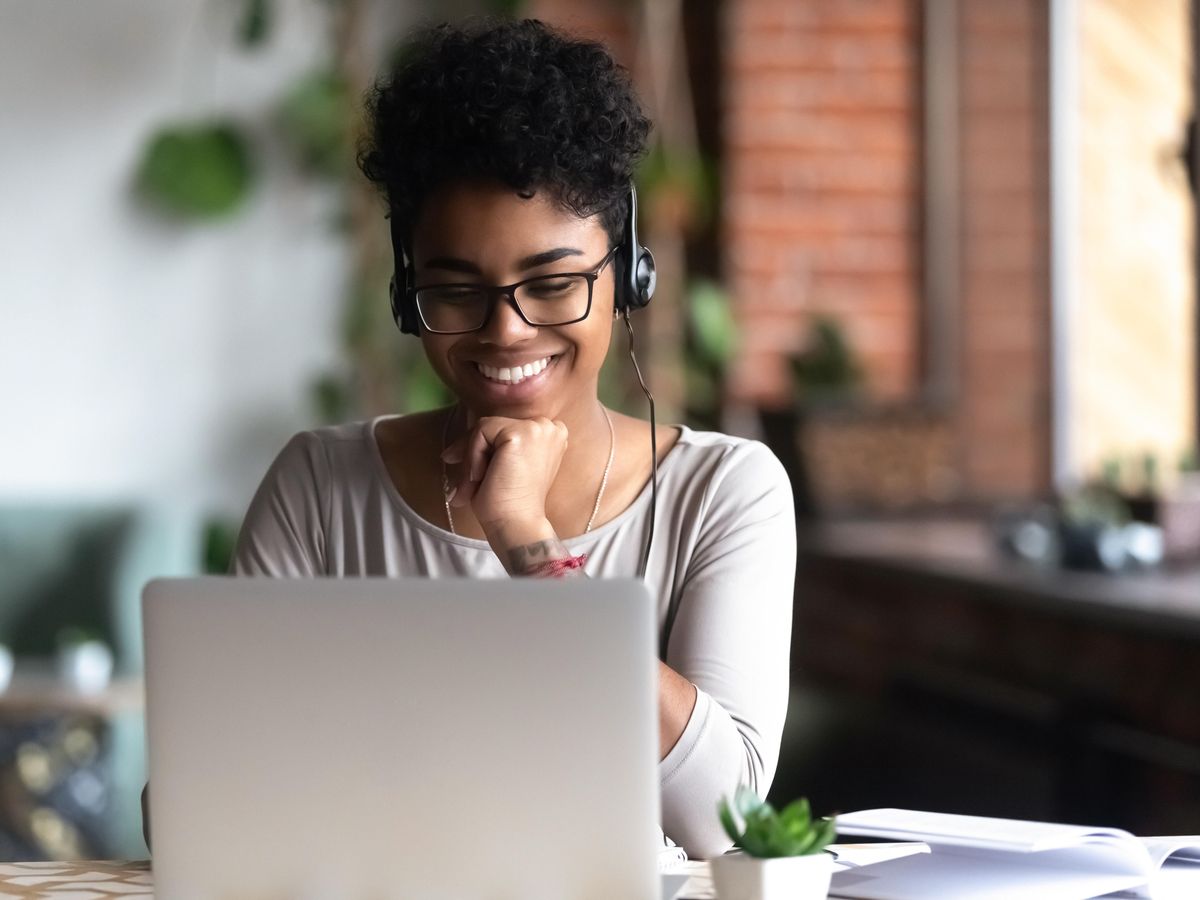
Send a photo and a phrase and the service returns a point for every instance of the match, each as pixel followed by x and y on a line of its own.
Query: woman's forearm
pixel 676 700
pixel 524 547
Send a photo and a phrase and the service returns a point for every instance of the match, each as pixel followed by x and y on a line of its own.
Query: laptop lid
pixel 378 738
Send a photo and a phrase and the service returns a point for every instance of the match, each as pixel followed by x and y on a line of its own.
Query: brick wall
pixel 823 116
pixel 1004 401
pixel 822 174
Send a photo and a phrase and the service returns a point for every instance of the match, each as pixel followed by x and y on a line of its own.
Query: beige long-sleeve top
pixel 724 546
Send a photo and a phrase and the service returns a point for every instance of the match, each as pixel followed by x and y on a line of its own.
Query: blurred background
pixel 939 254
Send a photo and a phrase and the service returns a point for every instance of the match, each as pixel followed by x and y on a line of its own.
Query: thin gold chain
pixel 612 447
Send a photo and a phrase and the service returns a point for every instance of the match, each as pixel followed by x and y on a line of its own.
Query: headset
pixel 635 283
pixel 636 280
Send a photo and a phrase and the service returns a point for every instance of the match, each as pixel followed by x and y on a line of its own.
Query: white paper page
pixel 1176 880
pixel 964 876
pixel 976 831
pixel 851 856
pixel 1181 847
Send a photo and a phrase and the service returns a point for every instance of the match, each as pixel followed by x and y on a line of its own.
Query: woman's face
pixel 486 233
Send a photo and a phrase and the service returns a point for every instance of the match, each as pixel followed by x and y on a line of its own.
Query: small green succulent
pixel 768 833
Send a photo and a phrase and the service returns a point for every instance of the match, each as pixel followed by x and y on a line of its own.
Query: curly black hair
pixel 517 101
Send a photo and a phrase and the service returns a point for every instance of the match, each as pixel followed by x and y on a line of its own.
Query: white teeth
pixel 514 374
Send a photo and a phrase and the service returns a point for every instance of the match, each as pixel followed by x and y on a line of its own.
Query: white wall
pixel 140 357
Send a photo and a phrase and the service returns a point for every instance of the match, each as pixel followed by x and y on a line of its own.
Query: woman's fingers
pixel 464 494
pixel 469 455
pixel 478 450
pixel 522 454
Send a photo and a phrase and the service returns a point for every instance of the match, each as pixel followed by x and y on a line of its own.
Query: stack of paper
pixel 997 859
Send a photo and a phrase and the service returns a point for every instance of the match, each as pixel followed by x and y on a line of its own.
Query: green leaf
pixel 255 24
pixel 778 837
pixel 827 832
pixel 196 171
pixel 798 812
pixel 746 802
pixel 220 540
pixel 827 371
pixel 804 845
pixel 330 395
pixel 756 845
pixel 712 322
pixel 727 821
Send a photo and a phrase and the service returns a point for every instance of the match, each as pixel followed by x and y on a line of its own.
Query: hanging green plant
pixel 199 171
pixel 255 25
pixel 313 117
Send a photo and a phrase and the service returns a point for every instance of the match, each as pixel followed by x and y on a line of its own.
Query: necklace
pixel 612 447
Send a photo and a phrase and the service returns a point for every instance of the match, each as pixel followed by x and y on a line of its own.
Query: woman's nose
pixel 505 326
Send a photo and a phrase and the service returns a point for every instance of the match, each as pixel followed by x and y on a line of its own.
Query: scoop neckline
pixel 444 534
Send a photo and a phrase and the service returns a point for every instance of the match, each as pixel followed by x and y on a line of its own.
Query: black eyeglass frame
pixel 510 291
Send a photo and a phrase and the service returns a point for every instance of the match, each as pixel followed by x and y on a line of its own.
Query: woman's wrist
pixel 531 548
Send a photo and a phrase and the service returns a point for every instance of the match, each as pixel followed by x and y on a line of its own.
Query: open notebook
pixel 976 857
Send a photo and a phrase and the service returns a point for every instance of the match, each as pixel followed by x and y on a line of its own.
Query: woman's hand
pixel 503 468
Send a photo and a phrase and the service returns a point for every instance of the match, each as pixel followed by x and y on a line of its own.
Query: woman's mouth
pixel 515 375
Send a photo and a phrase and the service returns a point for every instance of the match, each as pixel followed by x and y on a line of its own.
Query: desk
pixel 96 880
pixel 78 880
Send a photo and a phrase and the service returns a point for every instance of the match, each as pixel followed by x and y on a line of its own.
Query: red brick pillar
pixel 822 180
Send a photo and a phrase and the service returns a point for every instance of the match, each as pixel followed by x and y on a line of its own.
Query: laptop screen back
pixel 447 738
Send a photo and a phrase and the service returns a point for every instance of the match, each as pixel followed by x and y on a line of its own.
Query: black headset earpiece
pixel 639 274
pixel 404 306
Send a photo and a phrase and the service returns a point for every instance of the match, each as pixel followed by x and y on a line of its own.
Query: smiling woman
pixel 506 154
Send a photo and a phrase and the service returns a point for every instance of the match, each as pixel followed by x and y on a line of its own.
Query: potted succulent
pixel 782 853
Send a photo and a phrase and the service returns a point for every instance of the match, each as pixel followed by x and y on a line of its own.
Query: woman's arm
pixel 732 639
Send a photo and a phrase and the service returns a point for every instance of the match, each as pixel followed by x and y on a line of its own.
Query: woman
pixel 506 154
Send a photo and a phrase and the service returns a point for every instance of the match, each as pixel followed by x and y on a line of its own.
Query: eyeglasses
pixel 559 299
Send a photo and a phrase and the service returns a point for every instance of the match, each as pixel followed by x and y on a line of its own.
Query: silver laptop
pixel 426 739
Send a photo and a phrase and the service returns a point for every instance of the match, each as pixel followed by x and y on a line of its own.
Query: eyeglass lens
pixel 553 300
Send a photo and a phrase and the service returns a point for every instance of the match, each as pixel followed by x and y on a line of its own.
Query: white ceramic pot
pixel 740 877
pixel 86 667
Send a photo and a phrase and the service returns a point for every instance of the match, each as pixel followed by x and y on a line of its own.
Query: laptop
pixel 383 738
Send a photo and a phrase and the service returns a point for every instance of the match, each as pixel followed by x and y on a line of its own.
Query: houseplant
pixel 781 852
